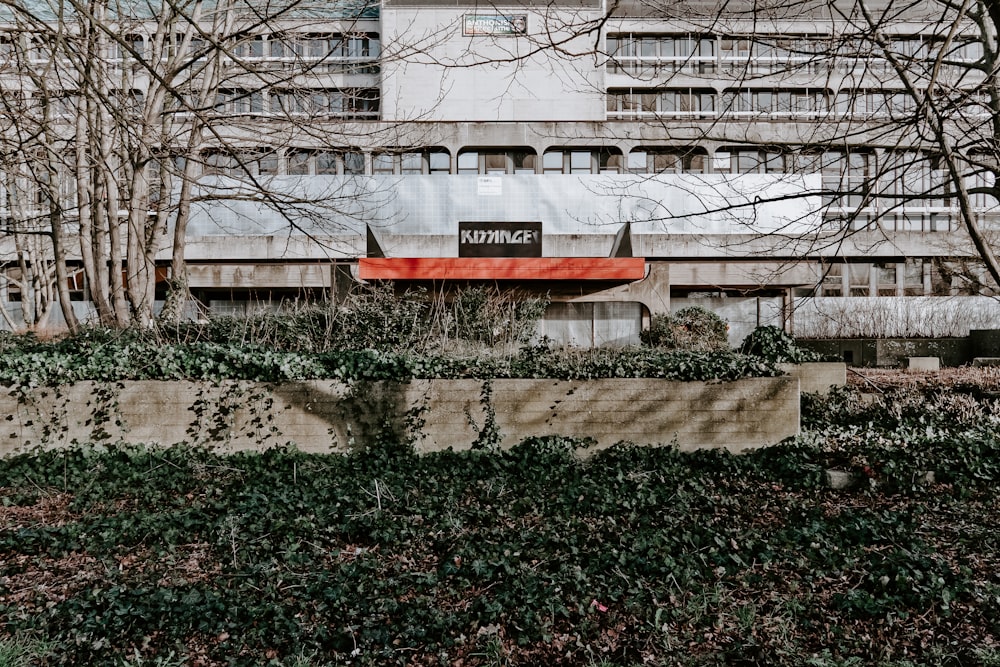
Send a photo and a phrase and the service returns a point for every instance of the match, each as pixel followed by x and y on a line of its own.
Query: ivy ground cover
pixel 535 556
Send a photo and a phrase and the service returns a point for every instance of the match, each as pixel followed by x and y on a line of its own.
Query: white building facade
pixel 623 160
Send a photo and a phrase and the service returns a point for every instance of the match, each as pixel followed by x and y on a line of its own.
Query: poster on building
pixel 489 186
pixel 499 239
pixel 495 24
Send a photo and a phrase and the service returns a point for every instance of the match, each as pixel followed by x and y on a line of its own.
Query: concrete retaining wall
pixel 891 352
pixel 817 377
pixel 327 416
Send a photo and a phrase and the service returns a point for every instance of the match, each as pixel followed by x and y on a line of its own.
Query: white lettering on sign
pixel 499 236
pixel 495 24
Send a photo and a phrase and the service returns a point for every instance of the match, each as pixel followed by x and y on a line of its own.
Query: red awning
pixel 502 268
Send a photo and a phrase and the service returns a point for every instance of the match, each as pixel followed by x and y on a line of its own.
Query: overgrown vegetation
pixel 771 343
pixel 375 317
pixel 126 555
pixel 691 328
pixel 65 362
pixel 634 556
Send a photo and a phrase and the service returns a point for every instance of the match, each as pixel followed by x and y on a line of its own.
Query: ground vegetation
pixel 544 554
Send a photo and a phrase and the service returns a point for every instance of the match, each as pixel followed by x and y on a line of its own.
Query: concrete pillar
pixel 653 291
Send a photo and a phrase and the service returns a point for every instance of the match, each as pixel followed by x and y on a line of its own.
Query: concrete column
pixel 653 291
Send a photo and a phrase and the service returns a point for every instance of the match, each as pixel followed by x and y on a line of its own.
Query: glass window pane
pixel 440 162
pixel 637 161
pixel 411 163
pixel 682 47
pixel 524 163
pixel 354 163
pixel 468 162
pixel 747 162
pixel 496 163
pixel 579 162
pixel 268 164
pixel 695 164
pixel 383 163
pixel 774 163
pixel 326 162
pixel 610 162
pixel 298 163
pixel 669 163
pixel 552 161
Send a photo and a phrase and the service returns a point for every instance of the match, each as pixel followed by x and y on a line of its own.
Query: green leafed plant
pixel 773 344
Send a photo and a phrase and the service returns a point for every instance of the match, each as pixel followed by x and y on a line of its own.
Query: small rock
pixel 840 479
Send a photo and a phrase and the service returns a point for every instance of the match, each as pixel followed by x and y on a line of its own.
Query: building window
pixel 674 102
pixel 240 164
pixel 310 162
pixel 582 161
pixel 486 161
pixel 439 162
pixel 251 49
pixel 328 163
pixel 412 162
pixel 8 49
pixel 743 160
pixel 875 104
pixel 662 160
pixel 354 53
pixel 774 102
pixel 238 102
pixel 644 54
pixel 131 47
pixel 348 103
pixel 299 163
pixel 845 178
pixel 468 162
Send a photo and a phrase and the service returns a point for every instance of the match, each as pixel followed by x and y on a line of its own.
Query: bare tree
pixel 147 110
pixel 893 110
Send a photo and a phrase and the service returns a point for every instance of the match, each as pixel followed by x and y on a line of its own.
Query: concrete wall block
pixel 924 364
pixel 329 416
pixel 817 377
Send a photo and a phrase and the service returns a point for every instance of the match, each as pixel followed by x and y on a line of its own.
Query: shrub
pixel 376 318
pixel 371 317
pixel 660 332
pixel 491 317
pixel 776 346
pixel 693 328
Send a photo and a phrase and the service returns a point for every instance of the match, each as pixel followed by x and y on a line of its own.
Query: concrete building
pixel 624 160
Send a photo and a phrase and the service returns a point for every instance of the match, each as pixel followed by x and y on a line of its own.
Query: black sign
pixel 499 239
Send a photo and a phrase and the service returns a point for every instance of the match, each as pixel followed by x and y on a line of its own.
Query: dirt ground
pixel 985 378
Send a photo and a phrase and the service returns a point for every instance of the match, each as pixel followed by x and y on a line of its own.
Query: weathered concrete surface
pixel 892 352
pixel 923 364
pixel 817 377
pixel 330 416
